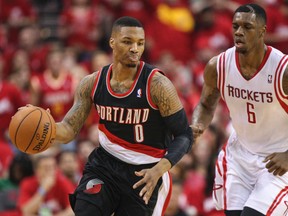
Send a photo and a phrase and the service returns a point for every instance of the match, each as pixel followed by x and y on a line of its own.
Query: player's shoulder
pixel 215 59
pixel 90 78
pixel 212 63
pixel 275 53
pixel 159 80
pixel 211 66
pixel 87 82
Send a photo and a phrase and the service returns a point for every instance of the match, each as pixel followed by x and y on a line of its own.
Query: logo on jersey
pixel 123 115
pixel 250 95
pixel 93 186
pixel 269 78
pixel 139 93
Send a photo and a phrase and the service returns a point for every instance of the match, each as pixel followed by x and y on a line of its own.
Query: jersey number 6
pixel 251 115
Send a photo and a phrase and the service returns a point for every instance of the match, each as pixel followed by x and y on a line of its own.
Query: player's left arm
pixel 164 95
pixel 69 127
pixel 277 163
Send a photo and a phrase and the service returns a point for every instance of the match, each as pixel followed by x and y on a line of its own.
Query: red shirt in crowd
pixel 57 199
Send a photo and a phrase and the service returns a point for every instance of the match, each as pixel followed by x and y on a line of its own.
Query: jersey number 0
pixel 139 133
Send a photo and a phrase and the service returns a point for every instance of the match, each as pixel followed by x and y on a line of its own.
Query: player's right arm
pixel 204 111
pixel 69 127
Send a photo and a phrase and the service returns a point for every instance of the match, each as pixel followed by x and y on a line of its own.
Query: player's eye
pixel 248 27
pixel 127 42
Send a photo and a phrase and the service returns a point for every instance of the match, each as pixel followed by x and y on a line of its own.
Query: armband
pixel 182 136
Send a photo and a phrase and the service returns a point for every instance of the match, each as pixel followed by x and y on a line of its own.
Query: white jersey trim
pixel 124 154
pixel 164 195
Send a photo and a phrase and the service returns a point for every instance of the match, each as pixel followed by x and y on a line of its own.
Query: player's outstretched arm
pixel 204 111
pixel 77 115
pixel 165 96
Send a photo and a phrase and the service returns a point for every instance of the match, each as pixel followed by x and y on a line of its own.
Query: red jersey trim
pixel 117 95
pixel 277 200
pixel 279 72
pixel 225 176
pixel 223 76
pixel 136 147
pixel 148 93
pixel 269 49
pixel 277 84
pixel 219 72
pixel 95 84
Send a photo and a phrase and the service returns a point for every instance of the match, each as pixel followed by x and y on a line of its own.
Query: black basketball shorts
pixel 106 188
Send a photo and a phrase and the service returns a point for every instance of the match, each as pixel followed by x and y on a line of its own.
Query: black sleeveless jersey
pixel 130 122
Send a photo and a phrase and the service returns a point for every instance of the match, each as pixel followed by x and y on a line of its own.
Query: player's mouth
pixel 239 43
pixel 133 58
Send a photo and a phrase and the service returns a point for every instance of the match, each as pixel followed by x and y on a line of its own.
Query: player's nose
pixel 239 31
pixel 134 47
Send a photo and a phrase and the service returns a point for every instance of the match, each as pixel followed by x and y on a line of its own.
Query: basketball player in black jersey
pixel 143 131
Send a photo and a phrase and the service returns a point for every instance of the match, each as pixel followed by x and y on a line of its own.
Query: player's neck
pixel 121 73
pixel 253 59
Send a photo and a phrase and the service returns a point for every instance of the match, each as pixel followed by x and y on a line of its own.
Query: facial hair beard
pixel 131 65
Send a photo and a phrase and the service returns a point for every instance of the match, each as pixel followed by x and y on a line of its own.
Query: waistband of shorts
pixel 120 161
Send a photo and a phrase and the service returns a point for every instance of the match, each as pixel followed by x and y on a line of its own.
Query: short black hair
pixel 22 164
pixel 127 21
pixel 253 8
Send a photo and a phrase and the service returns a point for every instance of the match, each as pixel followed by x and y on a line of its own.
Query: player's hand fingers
pixel 282 172
pixel 271 168
pixel 270 164
pixel 147 196
pixel 140 173
pixel 23 107
pixel 146 193
pixel 269 157
pixel 140 182
pixel 277 171
pixel 197 131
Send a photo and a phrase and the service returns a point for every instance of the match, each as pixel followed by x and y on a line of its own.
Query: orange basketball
pixel 32 129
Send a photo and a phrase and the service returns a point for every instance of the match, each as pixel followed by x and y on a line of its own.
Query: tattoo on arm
pixel 164 95
pixel 82 104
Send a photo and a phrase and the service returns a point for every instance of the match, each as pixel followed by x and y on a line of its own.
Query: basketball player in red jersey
pixel 143 131
pixel 54 88
pixel 252 78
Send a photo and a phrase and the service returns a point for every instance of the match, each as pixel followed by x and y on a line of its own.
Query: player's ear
pixel 263 31
pixel 111 42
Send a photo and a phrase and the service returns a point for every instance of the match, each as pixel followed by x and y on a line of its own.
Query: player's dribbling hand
pixel 30 105
pixel 27 105
pixel 277 163
pixel 150 180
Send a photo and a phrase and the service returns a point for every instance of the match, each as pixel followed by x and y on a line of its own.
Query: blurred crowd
pixel 47 46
